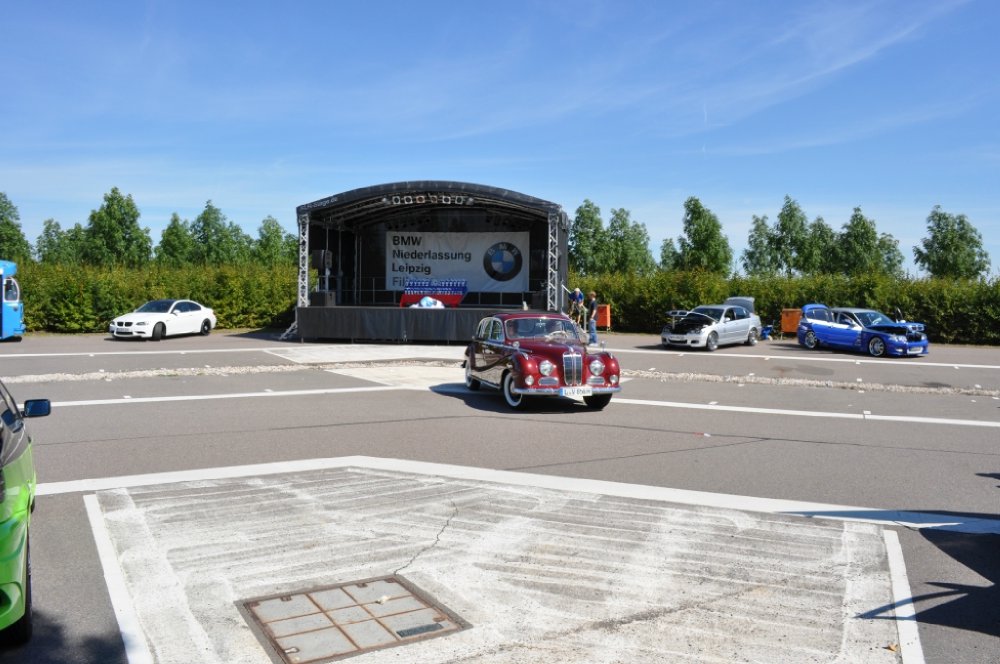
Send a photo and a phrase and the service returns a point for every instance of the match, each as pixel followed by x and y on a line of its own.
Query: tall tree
pixel 668 254
pixel 588 240
pixel 892 257
pixel 790 235
pixel 273 245
pixel 703 246
pixel 58 247
pixel 858 248
pixel 217 240
pixel 760 257
pixel 177 245
pixel 953 247
pixel 820 248
pixel 628 244
pixel 13 245
pixel 113 235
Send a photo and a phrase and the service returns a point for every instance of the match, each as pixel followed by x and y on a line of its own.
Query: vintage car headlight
pixel 613 379
pixel 596 367
pixel 529 380
pixel 546 368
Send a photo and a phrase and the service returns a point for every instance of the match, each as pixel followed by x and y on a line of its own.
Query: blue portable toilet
pixel 11 310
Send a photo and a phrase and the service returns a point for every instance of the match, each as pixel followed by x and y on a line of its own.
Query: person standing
pixel 576 308
pixel 592 317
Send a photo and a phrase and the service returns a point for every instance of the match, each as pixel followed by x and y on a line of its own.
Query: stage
pixel 396 324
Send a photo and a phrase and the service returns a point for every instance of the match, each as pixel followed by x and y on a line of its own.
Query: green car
pixel 17 500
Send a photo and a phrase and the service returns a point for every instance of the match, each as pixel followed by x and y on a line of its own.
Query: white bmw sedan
pixel 162 318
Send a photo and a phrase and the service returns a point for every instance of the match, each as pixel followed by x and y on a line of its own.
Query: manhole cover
pixel 334 622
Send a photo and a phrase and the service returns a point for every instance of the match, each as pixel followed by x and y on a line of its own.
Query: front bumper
pixel 908 349
pixel 13 540
pixel 130 331
pixel 691 339
pixel 566 391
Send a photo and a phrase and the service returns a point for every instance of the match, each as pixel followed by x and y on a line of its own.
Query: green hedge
pixel 954 311
pixel 85 299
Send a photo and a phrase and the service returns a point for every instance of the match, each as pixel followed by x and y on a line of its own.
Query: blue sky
pixel 890 106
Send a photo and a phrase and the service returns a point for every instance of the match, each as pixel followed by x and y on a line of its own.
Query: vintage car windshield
pixel 715 313
pixel 156 307
pixel 542 328
pixel 870 318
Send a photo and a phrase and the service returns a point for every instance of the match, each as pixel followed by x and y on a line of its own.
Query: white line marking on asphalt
pixel 901 362
pixel 911 651
pixel 14 356
pixel 809 413
pixel 136 650
pixel 915 520
pixel 458 387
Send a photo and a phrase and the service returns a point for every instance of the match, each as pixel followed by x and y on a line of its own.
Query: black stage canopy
pixel 374 247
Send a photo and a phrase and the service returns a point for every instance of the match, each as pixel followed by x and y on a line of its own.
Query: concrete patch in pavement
pixel 541 574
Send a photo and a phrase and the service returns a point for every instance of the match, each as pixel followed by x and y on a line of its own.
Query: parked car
pixel 531 354
pixel 860 330
pixel 17 501
pixel 163 318
pixel 712 325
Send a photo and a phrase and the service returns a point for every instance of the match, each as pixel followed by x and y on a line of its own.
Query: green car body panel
pixel 17 500
pixel 15 517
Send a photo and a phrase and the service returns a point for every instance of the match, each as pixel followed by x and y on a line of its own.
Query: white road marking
pixel 915 520
pixel 136 650
pixel 906 615
pixel 901 361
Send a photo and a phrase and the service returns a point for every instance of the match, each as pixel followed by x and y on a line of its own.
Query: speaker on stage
pixel 322 299
pixel 539 300
pixel 322 259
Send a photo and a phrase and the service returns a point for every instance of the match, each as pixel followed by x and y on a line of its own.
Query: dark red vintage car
pixel 529 354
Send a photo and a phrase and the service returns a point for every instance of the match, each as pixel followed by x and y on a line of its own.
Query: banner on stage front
pixel 489 262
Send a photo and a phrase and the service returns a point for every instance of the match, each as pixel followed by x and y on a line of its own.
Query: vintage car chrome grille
pixel 573 368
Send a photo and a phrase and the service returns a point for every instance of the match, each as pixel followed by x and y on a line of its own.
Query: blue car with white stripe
pixel 860 330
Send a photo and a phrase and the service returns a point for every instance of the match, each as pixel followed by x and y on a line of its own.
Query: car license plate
pixel 585 391
pixel 915 351
pixel 674 337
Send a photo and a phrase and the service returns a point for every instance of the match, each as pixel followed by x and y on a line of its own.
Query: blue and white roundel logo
pixel 502 261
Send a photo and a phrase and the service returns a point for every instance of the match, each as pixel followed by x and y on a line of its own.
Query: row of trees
pixel 113 237
pixel 791 246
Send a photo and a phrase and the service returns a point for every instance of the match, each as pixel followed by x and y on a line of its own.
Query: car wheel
pixel 470 382
pixel 876 347
pixel 597 401
pixel 810 341
pixel 158 331
pixel 515 401
pixel 20 632
pixel 712 342
pixel 206 327
pixel 753 337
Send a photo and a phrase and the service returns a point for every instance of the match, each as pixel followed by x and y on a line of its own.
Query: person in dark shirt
pixel 592 317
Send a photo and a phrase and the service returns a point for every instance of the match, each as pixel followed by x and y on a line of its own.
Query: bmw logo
pixel 502 261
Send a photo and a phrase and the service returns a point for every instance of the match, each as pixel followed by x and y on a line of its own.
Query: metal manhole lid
pixel 335 622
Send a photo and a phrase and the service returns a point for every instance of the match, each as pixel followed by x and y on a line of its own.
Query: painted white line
pixel 136 649
pixel 809 413
pixel 915 520
pixel 911 651
pixel 232 395
pixel 193 351
pixel 772 356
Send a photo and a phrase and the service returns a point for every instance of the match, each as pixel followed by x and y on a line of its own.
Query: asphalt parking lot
pixel 549 547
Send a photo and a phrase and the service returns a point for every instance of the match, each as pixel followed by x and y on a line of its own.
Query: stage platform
pixel 398 324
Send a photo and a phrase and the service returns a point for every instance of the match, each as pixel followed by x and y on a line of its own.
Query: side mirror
pixel 37 407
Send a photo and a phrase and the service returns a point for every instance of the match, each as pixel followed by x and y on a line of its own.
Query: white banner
pixel 489 262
